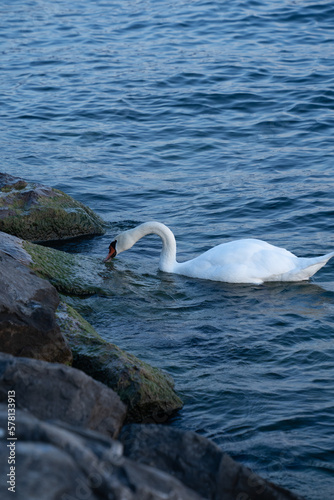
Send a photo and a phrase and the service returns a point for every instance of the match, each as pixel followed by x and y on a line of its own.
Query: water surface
pixel 217 119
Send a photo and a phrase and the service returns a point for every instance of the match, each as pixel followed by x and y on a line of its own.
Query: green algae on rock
pixel 71 274
pixel 147 391
pixel 39 213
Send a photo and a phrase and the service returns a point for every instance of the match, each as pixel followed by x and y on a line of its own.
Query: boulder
pixel 36 212
pixel 55 391
pixel 147 391
pixel 198 463
pixel 71 274
pixel 27 314
pixel 55 461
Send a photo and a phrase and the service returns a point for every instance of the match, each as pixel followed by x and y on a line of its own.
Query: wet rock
pixel 198 463
pixel 35 212
pixel 27 314
pixel 54 462
pixel 71 274
pixel 147 391
pixel 55 391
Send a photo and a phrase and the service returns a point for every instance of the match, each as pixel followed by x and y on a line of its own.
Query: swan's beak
pixel 112 252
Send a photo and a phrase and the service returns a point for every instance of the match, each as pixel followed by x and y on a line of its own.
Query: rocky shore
pixel 78 414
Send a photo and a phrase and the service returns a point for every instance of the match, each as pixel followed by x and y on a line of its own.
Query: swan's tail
pixel 308 266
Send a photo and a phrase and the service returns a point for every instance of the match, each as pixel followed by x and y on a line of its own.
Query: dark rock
pixel 71 274
pixel 39 213
pixel 58 463
pixel 198 463
pixel 55 391
pixel 147 391
pixel 27 314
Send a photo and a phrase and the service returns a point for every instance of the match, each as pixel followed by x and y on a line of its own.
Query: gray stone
pixel 39 213
pixel 57 463
pixel 55 391
pixel 198 463
pixel 13 246
pixel 147 391
pixel 27 314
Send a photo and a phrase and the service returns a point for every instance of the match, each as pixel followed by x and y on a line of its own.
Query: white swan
pixel 240 261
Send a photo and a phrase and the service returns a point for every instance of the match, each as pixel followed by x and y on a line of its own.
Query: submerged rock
pixel 35 212
pixel 58 392
pixel 27 314
pixel 198 463
pixel 147 391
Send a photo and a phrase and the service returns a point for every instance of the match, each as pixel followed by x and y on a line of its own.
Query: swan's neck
pixel 168 252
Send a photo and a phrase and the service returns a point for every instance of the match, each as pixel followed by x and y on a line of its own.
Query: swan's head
pixel 123 241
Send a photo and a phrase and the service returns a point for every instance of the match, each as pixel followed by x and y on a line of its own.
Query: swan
pixel 241 261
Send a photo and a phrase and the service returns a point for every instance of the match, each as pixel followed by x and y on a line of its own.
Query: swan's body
pixel 240 261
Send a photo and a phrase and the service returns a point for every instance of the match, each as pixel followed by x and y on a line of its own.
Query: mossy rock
pixel 71 274
pixel 147 391
pixel 39 213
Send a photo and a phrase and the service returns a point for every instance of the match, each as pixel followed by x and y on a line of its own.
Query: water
pixel 216 118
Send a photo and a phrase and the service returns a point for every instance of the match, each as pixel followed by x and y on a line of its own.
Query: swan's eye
pixel 112 245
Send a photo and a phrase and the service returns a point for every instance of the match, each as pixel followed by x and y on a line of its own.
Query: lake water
pixel 216 118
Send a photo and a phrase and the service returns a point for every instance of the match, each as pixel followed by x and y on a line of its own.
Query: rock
pixel 27 314
pixel 13 246
pixel 71 274
pixel 147 391
pixel 55 462
pixel 198 463
pixel 55 391
pixel 35 212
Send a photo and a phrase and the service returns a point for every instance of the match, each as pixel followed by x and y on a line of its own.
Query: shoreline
pixel 148 392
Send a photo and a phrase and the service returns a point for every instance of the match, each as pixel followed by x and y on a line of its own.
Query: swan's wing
pixel 251 261
pixel 241 261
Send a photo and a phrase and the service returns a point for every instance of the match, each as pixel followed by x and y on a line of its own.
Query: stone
pixel 55 391
pixel 27 314
pixel 13 246
pixel 146 390
pixel 58 462
pixel 36 212
pixel 198 463
pixel 71 274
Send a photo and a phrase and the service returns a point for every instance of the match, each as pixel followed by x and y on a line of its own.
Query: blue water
pixel 216 118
